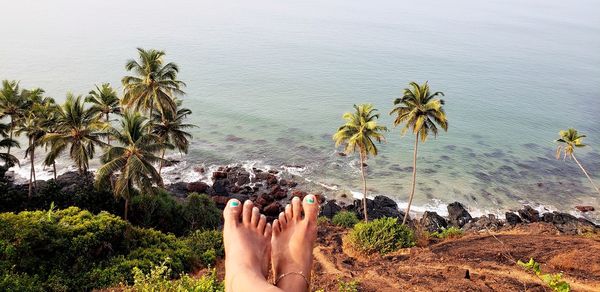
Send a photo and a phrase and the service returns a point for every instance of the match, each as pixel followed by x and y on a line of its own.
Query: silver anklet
pixel 301 274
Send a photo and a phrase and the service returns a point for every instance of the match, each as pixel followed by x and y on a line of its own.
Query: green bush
pixel 10 281
pixel 345 219
pixel 158 279
pixel 451 232
pixel 73 249
pixel 350 286
pixel 208 245
pixel 200 212
pixel 382 236
pixel 322 220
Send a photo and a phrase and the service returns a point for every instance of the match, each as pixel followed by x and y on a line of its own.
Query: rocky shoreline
pixel 271 191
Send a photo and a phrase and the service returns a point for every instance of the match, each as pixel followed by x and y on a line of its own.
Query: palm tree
pixel 104 102
pixel 568 141
pixel 421 111
pixel 129 168
pixel 50 125
pixel 171 129
pixel 79 128
pixel 6 142
pixel 154 85
pixel 12 105
pixel 358 133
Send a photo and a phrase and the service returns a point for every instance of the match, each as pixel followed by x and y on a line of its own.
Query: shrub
pixel 158 280
pixel 11 281
pixel 200 212
pixel 382 236
pixel 322 220
pixel 345 219
pixel 208 245
pixel 351 286
pixel 451 232
pixel 554 281
pixel 159 211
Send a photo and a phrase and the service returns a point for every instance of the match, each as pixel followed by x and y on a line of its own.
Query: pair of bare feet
pixel 251 244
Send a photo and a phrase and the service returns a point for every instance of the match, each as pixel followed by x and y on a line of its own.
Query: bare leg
pixel 246 237
pixel 292 244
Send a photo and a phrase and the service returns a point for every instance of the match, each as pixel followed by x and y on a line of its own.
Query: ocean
pixel 268 82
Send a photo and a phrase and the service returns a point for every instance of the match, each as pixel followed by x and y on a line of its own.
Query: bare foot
pixel 246 237
pixel 292 244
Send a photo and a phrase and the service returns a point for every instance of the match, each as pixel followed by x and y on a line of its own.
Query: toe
pixel 232 211
pixel 255 217
pixel 268 230
pixel 311 208
pixel 296 208
pixel 247 212
pixel 282 221
pixel 288 213
pixel 275 227
pixel 262 222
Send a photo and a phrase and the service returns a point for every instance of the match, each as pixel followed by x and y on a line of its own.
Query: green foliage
pixel 201 212
pixel 382 236
pixel 10 281
pixel 451 232
pixel 554 281
pixel 74 249
pixel 208 245
pixel 345 219
pixel 322 220
pixel 350 286
pixel 158 279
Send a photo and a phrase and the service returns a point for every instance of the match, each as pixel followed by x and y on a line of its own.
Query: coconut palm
pixel 568 141
pixel 50 125
pixel 104 101
pixel 154 85
pixel 6 142
pixel 78 128
pixel 171 129
pixel 12 105
pixel 358 134
pixel 419 110
pixel 129 168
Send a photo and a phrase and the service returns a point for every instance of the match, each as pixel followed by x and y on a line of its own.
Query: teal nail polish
pixel 311 200
pixel 235 204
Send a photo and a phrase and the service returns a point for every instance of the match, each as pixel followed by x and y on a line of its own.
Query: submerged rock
pixel 458 215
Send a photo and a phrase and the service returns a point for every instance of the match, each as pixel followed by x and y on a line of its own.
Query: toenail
pixel 296 199
pixel 234 203
pixel 310 200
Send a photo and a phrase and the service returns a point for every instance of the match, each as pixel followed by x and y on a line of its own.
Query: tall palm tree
pixel 78 128
pixel 568 141
pixel 12 104
pixel 358 134
pixel 171 129
pixel 129 168
pixel 154 84
pixel 6 142
pixel 50 125
pixel 421 111
pixel 104 102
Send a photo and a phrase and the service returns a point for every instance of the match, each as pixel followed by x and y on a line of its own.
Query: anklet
pixel 301 274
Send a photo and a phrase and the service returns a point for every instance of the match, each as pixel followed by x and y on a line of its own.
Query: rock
pixel 379 207
pixel 570 224
pixel 283 182
pixel 73 182
pixel 342 154
pixel 298 193
pixel 433 222
pixel 271 180
pixel 529 214
pixel 199 169
pixel 220 187
pixel 329 209
pixel 458 215
pixel 278 192
pixel 218 175
pixel 483 223
pixel 272 209
pixel 179 189
pixel 512 218
pixel 197 187
pixel 584 209
pixel 220 201
pixel 292 184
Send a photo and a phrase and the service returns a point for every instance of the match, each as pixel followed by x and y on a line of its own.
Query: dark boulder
pixel 197 187
pixel 220 186
pixel 570 224
pixel 433 222
pixel 272 209
pixel 483 223
pixel 178 189
pixel 216 175
pixel 278 192
pixel 379 207
pixel 329 209
pixel 458 215
pixel 529 215
pixel 512 218
pixel 584 209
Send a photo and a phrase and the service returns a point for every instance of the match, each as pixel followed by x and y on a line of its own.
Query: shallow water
pixel 268 82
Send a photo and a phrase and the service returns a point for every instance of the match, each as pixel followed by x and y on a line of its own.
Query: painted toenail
pixel 235 203
pixel 311 200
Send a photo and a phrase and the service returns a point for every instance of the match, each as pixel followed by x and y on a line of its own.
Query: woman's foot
pixel 246 236
pixel 292 244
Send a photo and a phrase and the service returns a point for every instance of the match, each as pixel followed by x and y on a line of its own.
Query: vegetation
pixel 350 286
pixel 554 281
pixel 568 141
pixel 345 219
pixel 158 279
pixel 450 232
pixel 357 134
pixel 419 109
pixel 104 101
pixel 383 235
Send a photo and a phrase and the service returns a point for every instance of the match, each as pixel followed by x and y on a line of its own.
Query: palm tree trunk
pixel 364 180
pixel 126 208
pixel 161 161
pixel 414 180
pixel 30 175
pixel 33 165
pixel 108 136
pixel 12 125
pixel 54 169
pixel 586 174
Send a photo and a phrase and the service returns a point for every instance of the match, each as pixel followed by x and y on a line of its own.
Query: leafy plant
pixel 345 219
pixel 350 286
pixel 451 232
pixel 322 220
pixel 381 236
pixel 158 279
pixel 554 281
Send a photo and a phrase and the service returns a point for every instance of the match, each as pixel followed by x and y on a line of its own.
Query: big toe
pixel 232 212
pixel 310 205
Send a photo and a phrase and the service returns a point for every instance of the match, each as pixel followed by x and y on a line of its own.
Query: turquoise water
pixel 268 82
